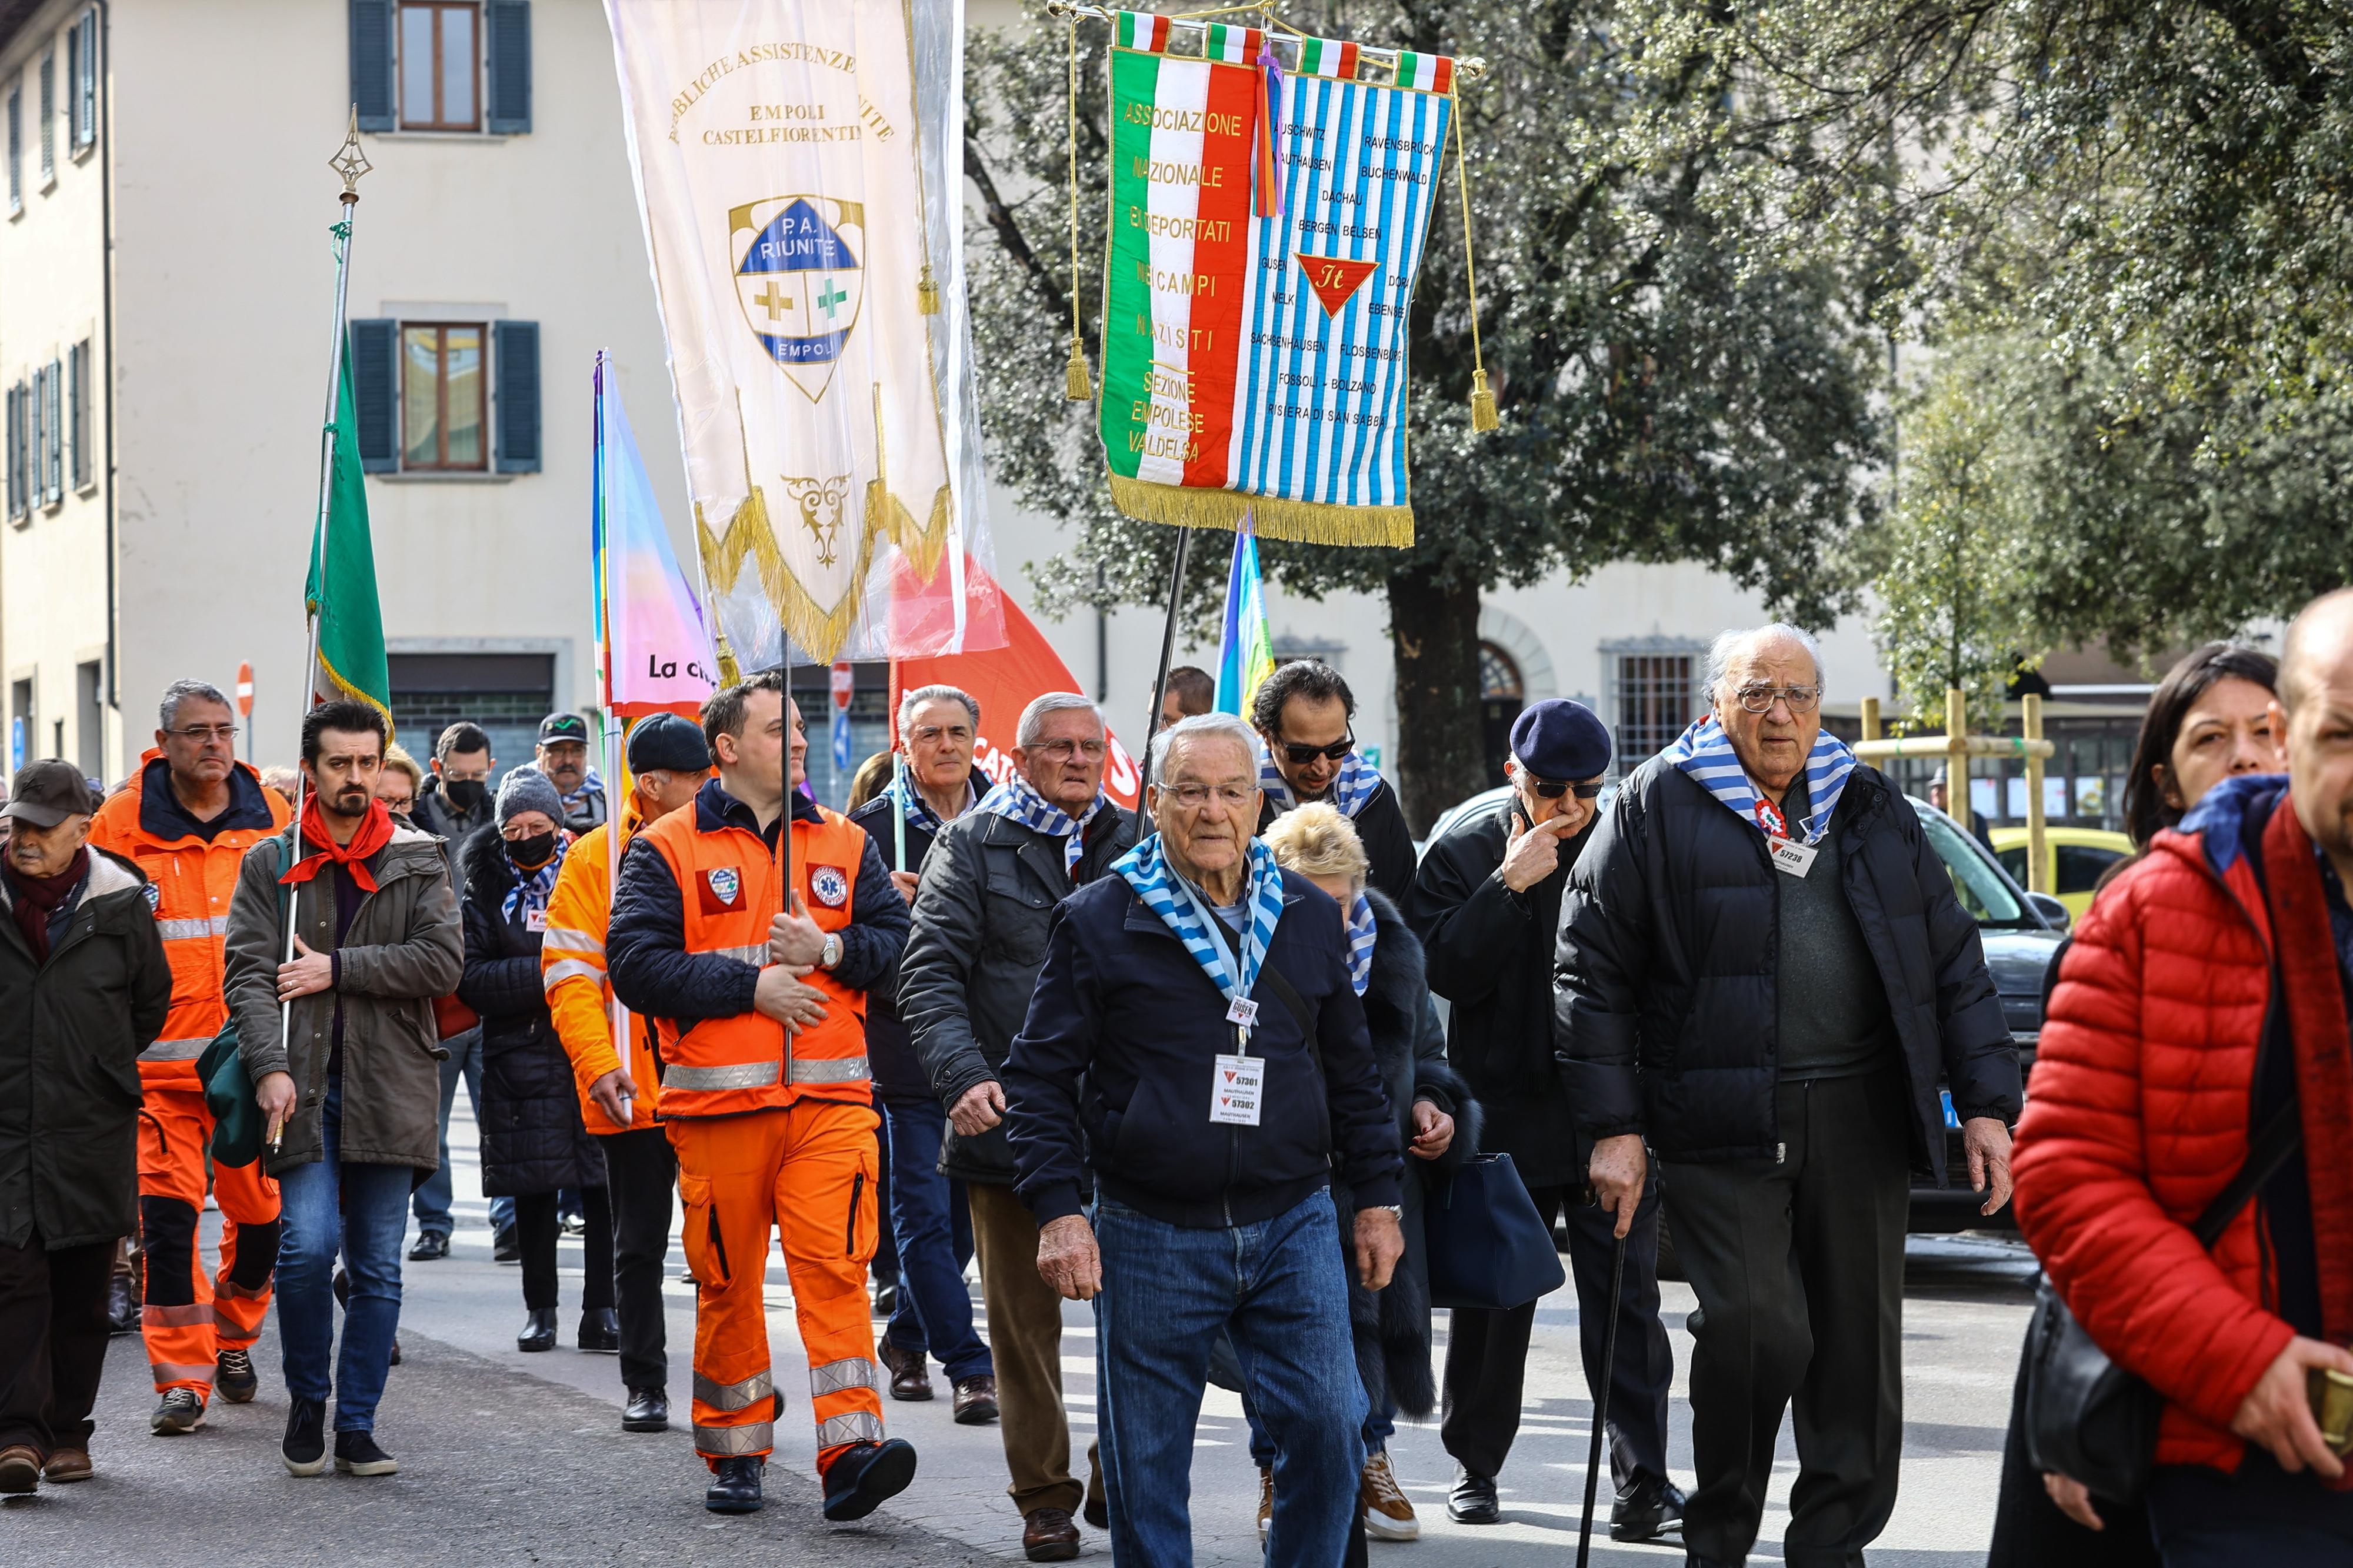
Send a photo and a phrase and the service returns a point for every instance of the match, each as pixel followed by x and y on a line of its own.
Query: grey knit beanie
pixel 528 789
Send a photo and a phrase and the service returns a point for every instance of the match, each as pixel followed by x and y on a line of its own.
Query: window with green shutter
pixel 372 85
pixel 375 392
pixel 48 117
pixel 516 360
pixel 441 396
pixel 506 36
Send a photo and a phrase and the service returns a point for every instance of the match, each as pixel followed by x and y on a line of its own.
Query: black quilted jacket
pixel 532 1138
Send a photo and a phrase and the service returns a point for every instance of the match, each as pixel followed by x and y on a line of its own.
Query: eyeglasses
pixel 1545 789
pixel 201 734
pixel 1759 699
pixel 1061 751
pixel 1302 755
pixel 1194 797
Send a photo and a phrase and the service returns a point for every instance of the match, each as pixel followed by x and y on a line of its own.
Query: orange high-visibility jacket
pixel 191 881
pixel 730 888
pixel 572 968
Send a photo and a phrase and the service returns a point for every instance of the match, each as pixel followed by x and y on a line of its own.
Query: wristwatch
pixel 830 954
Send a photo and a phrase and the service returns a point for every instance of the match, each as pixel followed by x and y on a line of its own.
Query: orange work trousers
pixel 808 1172
pixel 190 1316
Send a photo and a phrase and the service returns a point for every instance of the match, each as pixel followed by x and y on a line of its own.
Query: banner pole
pixel 1167 652
pixel 350 164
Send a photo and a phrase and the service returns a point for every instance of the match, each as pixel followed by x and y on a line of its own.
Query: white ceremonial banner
pixel 775 147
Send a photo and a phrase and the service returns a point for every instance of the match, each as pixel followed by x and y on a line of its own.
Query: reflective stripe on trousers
pixel 726 1442
pixel 760 1075
pixel 176 1050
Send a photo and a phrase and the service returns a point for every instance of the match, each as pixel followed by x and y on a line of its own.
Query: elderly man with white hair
pixel 1763 975
pixel 1196 1046
pixel 987 895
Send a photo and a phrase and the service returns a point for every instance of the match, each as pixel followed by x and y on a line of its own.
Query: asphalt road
pixel 509 1457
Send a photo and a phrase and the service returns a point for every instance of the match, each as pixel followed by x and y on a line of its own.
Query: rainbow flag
pixel 653 649
pixel 1246 648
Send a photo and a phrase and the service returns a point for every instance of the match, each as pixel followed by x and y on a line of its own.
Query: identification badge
pixel 1243 1011
pixel 534 919
pixel 1234 1094
pixel 1791 856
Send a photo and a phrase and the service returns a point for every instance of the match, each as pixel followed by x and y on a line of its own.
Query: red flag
pixel 1004 681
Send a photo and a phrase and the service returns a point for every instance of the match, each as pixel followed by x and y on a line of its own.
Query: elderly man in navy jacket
pixel 1195 1039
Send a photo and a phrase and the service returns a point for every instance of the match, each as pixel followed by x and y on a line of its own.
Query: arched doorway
pixel 1502 695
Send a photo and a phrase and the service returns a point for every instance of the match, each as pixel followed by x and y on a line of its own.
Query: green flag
pixel 341 591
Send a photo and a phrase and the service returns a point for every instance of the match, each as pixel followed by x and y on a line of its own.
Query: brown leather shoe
pixel 67 1465
pixel 975 1401
pixel 910 1377
pixel 20 1470
pixel 1048 1536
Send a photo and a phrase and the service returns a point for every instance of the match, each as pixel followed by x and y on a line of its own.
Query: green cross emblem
pixel 831 296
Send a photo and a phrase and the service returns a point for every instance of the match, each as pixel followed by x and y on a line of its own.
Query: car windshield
pixel 1984 891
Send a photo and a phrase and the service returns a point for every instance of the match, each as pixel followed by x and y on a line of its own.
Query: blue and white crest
pixel 799 281
pixel 725 883
pixel 828 886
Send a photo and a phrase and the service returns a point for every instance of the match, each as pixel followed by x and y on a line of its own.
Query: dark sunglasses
pixel 1545 789
pixel 1302 755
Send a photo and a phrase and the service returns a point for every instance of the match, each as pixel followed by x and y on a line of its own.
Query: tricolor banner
pixel 1257 365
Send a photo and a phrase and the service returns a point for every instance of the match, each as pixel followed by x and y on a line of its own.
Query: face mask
pixel 532 853
pixel 465 795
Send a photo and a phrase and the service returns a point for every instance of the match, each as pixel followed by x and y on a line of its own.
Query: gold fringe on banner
pixel 819 631
pixel 1300 522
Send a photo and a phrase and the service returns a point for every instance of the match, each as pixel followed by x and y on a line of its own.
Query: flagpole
pixel 351 162
pixel 608 723
pixel 1167 652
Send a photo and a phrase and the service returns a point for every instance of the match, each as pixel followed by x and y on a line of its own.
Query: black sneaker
pixel 180 1410
pixel 305 1446
pixel 357 1454
pixel 506 1247
pixel 233 1375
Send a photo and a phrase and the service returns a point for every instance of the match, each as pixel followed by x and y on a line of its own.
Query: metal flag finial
pixel 349 161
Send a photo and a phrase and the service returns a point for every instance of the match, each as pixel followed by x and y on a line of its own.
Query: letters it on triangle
pixel 1335 279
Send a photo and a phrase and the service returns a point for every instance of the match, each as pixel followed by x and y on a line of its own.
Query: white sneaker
pixel 1389 1513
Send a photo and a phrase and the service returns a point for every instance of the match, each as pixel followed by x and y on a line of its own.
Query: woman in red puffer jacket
pixel 2145 1088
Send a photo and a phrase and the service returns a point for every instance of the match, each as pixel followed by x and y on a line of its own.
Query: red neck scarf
pixel 375 832
pixel 35 899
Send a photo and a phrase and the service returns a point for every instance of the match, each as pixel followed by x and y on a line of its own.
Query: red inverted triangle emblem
pixel 1335 279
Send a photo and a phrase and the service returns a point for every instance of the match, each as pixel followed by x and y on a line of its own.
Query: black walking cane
pixel 1601 1401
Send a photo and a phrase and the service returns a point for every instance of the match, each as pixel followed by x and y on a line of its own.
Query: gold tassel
pixel 1077 385
pixel 927 292
pixel 1484 417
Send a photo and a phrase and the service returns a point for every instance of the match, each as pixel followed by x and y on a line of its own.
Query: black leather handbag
pixel 1487 1245
pixel 2087 1417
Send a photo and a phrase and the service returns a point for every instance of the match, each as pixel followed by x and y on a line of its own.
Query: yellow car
pixel 2075 857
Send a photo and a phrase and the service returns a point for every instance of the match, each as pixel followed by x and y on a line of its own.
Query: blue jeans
pixel 359 1211
pixel 934 1229
pixel 1380 1425
pixel 432 1200
pixel 1277 1287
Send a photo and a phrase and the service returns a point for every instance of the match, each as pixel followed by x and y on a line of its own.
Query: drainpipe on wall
pixel 106 222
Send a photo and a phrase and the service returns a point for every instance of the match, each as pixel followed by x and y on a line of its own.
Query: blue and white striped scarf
pixel 1181 911
pixel 1015 798
pixel 918 811
pixel 1361 937
pixel 1704 752
pixel 590 784
pixel 532 889
pixel 1352 787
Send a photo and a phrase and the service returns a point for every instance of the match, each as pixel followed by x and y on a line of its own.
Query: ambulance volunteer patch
pixel 829 886
pixel 154 895
pixel 722 886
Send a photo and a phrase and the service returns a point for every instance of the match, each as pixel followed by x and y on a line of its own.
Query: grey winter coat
pixel 70 1034
pixel 405 948
pixel 987 894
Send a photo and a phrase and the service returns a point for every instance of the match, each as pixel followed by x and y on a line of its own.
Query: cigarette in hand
pixel 277 1131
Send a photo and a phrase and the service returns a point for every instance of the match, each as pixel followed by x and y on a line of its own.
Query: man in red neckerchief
pixel 349 1088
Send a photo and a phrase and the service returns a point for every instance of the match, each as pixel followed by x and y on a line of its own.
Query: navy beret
pixel 1561 741
pixel 669 743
